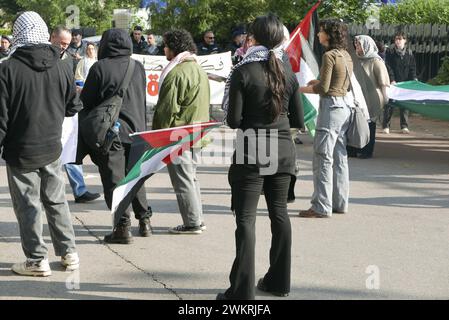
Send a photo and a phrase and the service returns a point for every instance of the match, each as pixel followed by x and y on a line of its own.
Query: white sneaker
pixel 32 268
pixel 405 131
pixel 70 261
pixel 386 130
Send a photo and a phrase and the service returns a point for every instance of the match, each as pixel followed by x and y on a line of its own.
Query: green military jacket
pixel 184 97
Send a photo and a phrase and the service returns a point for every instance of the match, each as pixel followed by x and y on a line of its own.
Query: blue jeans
pixel 76 180
pixel 330 161
pixel 31 191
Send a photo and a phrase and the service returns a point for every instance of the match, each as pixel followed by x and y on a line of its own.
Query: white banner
pixel 217 67
pixel 69 139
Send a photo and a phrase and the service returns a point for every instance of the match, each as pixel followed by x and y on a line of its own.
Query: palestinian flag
pixel 158 148
pixel 422 98
pixel 304 63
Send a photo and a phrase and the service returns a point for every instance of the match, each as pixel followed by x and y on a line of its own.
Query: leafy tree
pixel 416 12
pixel 443 74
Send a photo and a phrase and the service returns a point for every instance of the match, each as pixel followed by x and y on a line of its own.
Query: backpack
pixel 96 126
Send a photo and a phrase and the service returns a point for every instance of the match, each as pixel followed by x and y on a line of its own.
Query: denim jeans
pixel 34 189
pixel 187 187
pixel 330 161
pixel 388 113
pixel 76 180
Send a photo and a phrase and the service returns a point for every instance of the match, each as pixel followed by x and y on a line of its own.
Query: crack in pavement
pixel 153 277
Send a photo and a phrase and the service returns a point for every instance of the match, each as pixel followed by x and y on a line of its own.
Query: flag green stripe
pixel 420 86
pixel 433 109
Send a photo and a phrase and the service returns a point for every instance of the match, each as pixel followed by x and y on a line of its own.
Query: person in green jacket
pixel 184 99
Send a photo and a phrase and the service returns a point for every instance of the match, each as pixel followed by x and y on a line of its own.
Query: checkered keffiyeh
pixel 254 54
pixel 29 29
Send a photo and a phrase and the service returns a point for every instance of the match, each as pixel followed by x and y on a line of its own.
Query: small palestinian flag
pixel 157 148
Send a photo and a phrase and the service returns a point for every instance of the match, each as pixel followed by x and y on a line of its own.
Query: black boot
pixel 121 234
pixel 145 227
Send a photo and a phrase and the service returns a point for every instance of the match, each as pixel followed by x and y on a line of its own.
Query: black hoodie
pixel 36 91
pixel 105 78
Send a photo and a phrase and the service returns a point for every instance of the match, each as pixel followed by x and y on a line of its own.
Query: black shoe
pixel 262 287
pixel 291 199
pixel 87 197
pixel 365 156
pixel 145 227
pixel 221 296
pixel 121 235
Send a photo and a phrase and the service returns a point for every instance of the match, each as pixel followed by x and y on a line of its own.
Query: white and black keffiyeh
pixel 254 54
pixel 29 29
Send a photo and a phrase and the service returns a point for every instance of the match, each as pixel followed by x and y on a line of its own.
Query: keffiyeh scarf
pixel 29 29
pixel 183 56
pixel 254 54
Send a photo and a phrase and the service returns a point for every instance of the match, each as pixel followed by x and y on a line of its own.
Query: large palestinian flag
pixel 304 63
pixel 157 149
pixel 422 98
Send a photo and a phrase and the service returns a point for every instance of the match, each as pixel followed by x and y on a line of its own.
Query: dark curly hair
pixel 337 31
pixel 179 40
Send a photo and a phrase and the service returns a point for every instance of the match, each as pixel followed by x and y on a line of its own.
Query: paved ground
pixel 395 237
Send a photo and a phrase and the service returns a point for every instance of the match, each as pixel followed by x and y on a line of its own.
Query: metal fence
pixel 429 43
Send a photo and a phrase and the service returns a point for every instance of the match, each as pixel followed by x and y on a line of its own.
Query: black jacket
pixel 205 49
pixel 106 76
pixel 37 90
pixel 139 47
pixel 249 98
pixel 400 68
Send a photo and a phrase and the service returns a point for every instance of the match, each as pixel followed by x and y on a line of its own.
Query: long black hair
pixel 268 31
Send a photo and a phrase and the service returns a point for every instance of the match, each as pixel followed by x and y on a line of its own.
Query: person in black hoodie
pixel 36 91
pixel 103 82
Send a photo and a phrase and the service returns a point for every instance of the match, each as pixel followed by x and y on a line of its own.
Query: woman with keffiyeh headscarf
pixel 376 70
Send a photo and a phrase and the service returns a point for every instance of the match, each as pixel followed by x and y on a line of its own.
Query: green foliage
pixel 442 77
pixel 5 31
pixel 416 12
pixel 93 13
pixel 222 16
pixel 351 11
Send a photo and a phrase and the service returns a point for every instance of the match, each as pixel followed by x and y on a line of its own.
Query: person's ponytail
pixel 276 85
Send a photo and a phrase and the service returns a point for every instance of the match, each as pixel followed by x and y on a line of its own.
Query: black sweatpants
pixel 245 197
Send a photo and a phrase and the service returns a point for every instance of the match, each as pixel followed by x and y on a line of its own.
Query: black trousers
pixel 388 112
pixel 245 197
pixel 367 150
pixel 113 168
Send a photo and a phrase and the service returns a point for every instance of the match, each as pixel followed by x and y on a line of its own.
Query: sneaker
pixel 32 268
pixel 386 130
pixel 70 261
pixel 182 229
pixel 203 226
pixel 297 140
pixel 87 197
pixel 405 131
